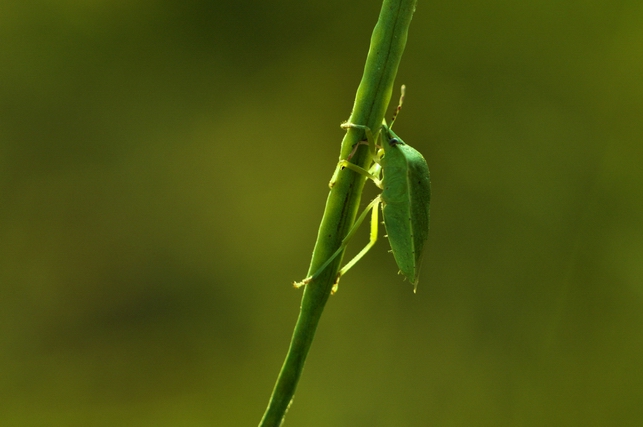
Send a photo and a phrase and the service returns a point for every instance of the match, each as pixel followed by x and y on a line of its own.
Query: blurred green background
pixel 164 168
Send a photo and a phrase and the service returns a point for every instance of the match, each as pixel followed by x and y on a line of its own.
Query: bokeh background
pixel 164 168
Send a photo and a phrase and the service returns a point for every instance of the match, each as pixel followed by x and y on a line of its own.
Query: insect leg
pixel 352 153
pixel 370 137
pixel 374 156
pixel 372 173
pixel 374 206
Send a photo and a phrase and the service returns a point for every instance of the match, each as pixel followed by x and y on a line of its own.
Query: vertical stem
pixel 371 101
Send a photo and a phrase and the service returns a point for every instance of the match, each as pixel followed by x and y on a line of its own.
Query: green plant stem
pixel 371 101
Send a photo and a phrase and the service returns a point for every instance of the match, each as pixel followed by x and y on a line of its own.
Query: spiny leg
pixel 370 137
pixel 373 172
pixel 355 147
pixel 374 205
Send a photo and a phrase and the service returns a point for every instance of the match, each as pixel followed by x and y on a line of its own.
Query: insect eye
pixel 393 142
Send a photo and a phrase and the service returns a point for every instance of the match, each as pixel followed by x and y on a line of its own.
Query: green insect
pixel 403 175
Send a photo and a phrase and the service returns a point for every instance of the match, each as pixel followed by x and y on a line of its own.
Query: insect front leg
pixel 374 153
pixel 370 138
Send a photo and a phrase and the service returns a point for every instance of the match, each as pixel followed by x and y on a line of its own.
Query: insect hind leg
pixel 374 207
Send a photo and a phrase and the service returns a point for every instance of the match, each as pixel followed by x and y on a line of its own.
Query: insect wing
pixel 406 198
pixel 420 200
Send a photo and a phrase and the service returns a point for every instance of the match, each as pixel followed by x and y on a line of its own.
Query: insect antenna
pixel 399 105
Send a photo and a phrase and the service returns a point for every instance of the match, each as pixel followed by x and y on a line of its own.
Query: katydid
pixel 405 199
